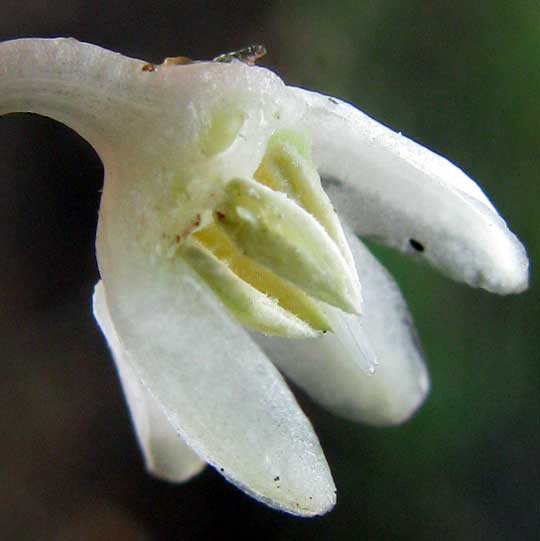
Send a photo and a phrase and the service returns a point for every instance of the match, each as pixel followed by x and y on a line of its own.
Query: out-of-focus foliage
pixel 462 78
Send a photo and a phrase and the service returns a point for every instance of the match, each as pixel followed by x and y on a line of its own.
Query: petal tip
pixel 400 410
pixel 405 409
pixel 512 274
pixel 174 471
pixel 314 498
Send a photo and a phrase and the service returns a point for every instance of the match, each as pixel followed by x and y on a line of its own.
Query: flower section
pixel 267 257
pixel 221 255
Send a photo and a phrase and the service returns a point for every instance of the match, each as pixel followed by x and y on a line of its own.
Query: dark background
pixel 462 78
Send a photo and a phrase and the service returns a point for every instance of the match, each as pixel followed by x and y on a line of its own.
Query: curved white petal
pixel 217 388
pixel 394 190
pixel 170 137
pixel 165 453
pixel 204 120
pixel 332 368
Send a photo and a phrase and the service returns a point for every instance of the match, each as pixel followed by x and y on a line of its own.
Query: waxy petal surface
pixel 165 454
pixel 217 388
pixel 332 368
pixel 398 192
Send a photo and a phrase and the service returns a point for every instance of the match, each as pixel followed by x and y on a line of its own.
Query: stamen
pixel 290 298
pixel 274 245
pixel 277 233
pixel 287 167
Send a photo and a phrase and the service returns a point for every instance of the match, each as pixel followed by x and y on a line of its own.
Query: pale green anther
pixel 288 167
pixel 276 232
pixel 221 131
pixel 297 139
pixel 248 305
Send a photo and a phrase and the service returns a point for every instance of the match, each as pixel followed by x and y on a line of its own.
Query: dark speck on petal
pixel 418 246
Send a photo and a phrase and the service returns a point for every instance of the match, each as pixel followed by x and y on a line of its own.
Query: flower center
pixel 273 247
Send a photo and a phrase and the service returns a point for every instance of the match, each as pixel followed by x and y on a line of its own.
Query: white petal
pixel 217 388
pixel 209 116
pixel 165 453
pixel 395 190
pixel 332 368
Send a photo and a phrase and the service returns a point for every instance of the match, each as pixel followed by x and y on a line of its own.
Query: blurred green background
pixel 462 78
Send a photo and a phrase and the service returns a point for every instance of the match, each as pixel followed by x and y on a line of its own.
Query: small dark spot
pixel 197 221
pixel 276 478
pixel 418 246
pixel 177 239
pixel 279 486
pixel 149 67
pixel 332 100
pixel 221 470
pixel 331 182
pixel 220 215
pixel 311 497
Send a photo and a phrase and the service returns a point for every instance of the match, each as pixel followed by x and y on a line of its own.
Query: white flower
pixel 214 226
